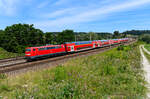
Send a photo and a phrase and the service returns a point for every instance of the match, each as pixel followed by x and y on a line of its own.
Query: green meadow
pixel 114 74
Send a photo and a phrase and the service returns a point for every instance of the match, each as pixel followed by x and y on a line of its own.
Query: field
pixel 4 54
pixel 113 74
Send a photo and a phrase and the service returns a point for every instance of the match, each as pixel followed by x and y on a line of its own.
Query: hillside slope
pixel 5 54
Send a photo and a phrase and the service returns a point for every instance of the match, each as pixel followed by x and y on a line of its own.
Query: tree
pixel 65 36
pixel 39 37
pixel 1 37
pixel 93 36
pixel 137 32
pixel 124 35
pixel 145 38
pixel 81 36
pixel 116 34
pixel 48 38
pixel 21 35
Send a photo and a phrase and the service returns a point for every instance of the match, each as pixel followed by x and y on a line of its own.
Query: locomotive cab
pixel 29 53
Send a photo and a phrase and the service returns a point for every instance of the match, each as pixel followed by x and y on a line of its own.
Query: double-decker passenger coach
pixel 68 47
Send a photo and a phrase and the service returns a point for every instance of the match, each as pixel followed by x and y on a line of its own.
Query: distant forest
pixel 137 32
pixel 17 37
pixel 143 35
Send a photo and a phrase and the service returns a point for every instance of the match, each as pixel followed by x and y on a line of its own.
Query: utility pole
pixel 75 37
pixel 90 37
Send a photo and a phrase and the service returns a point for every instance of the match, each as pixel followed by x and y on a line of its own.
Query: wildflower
pixel 25 86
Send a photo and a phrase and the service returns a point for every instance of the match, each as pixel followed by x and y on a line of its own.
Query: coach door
pixel 94 45
pixel 72 48
pixel 98 45
pixel 109 42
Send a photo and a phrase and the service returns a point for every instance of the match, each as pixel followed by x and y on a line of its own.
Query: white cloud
pixel 57 13
pixel 8 7
pixel 91 15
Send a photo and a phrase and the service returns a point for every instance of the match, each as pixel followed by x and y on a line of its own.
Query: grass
pixel 147 46
pixel 4 54
pixel 114 74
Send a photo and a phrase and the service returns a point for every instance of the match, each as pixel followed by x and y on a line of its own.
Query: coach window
pixel 53 47
pixel 33 49
pixel 40 49
pixel 28 50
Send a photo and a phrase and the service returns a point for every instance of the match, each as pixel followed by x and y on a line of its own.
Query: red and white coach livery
pixel 51 50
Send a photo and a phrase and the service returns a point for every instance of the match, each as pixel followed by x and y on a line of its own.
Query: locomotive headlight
pixel 28 54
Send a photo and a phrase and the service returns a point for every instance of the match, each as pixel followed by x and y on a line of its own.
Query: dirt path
pixel 146 68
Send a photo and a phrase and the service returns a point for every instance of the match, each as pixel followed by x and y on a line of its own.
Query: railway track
pixel 9 69
pixel 11 61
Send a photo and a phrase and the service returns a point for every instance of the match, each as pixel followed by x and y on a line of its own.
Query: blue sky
pixel 79 15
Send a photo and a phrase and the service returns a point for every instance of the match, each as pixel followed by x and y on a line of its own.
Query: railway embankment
pixel 4 54
pixel 116 73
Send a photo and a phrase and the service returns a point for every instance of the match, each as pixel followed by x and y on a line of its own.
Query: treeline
pixel 17 37
pixel 145 38
pixel 137 32
pixel 143 35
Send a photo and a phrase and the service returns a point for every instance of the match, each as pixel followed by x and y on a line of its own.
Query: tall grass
pixel 114 74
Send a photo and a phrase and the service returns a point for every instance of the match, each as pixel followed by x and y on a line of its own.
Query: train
pixel 32 53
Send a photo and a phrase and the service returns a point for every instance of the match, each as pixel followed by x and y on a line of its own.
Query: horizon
pixel 95 15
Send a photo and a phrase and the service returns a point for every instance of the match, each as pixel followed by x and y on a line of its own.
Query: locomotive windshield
pixel 28 50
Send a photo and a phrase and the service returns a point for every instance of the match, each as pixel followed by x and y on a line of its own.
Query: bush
pixel 3 76
pixel 145 38
pixel 121 47
pixel 60 74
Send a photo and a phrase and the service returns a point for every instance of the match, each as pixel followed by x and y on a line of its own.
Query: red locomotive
pixel 50 50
